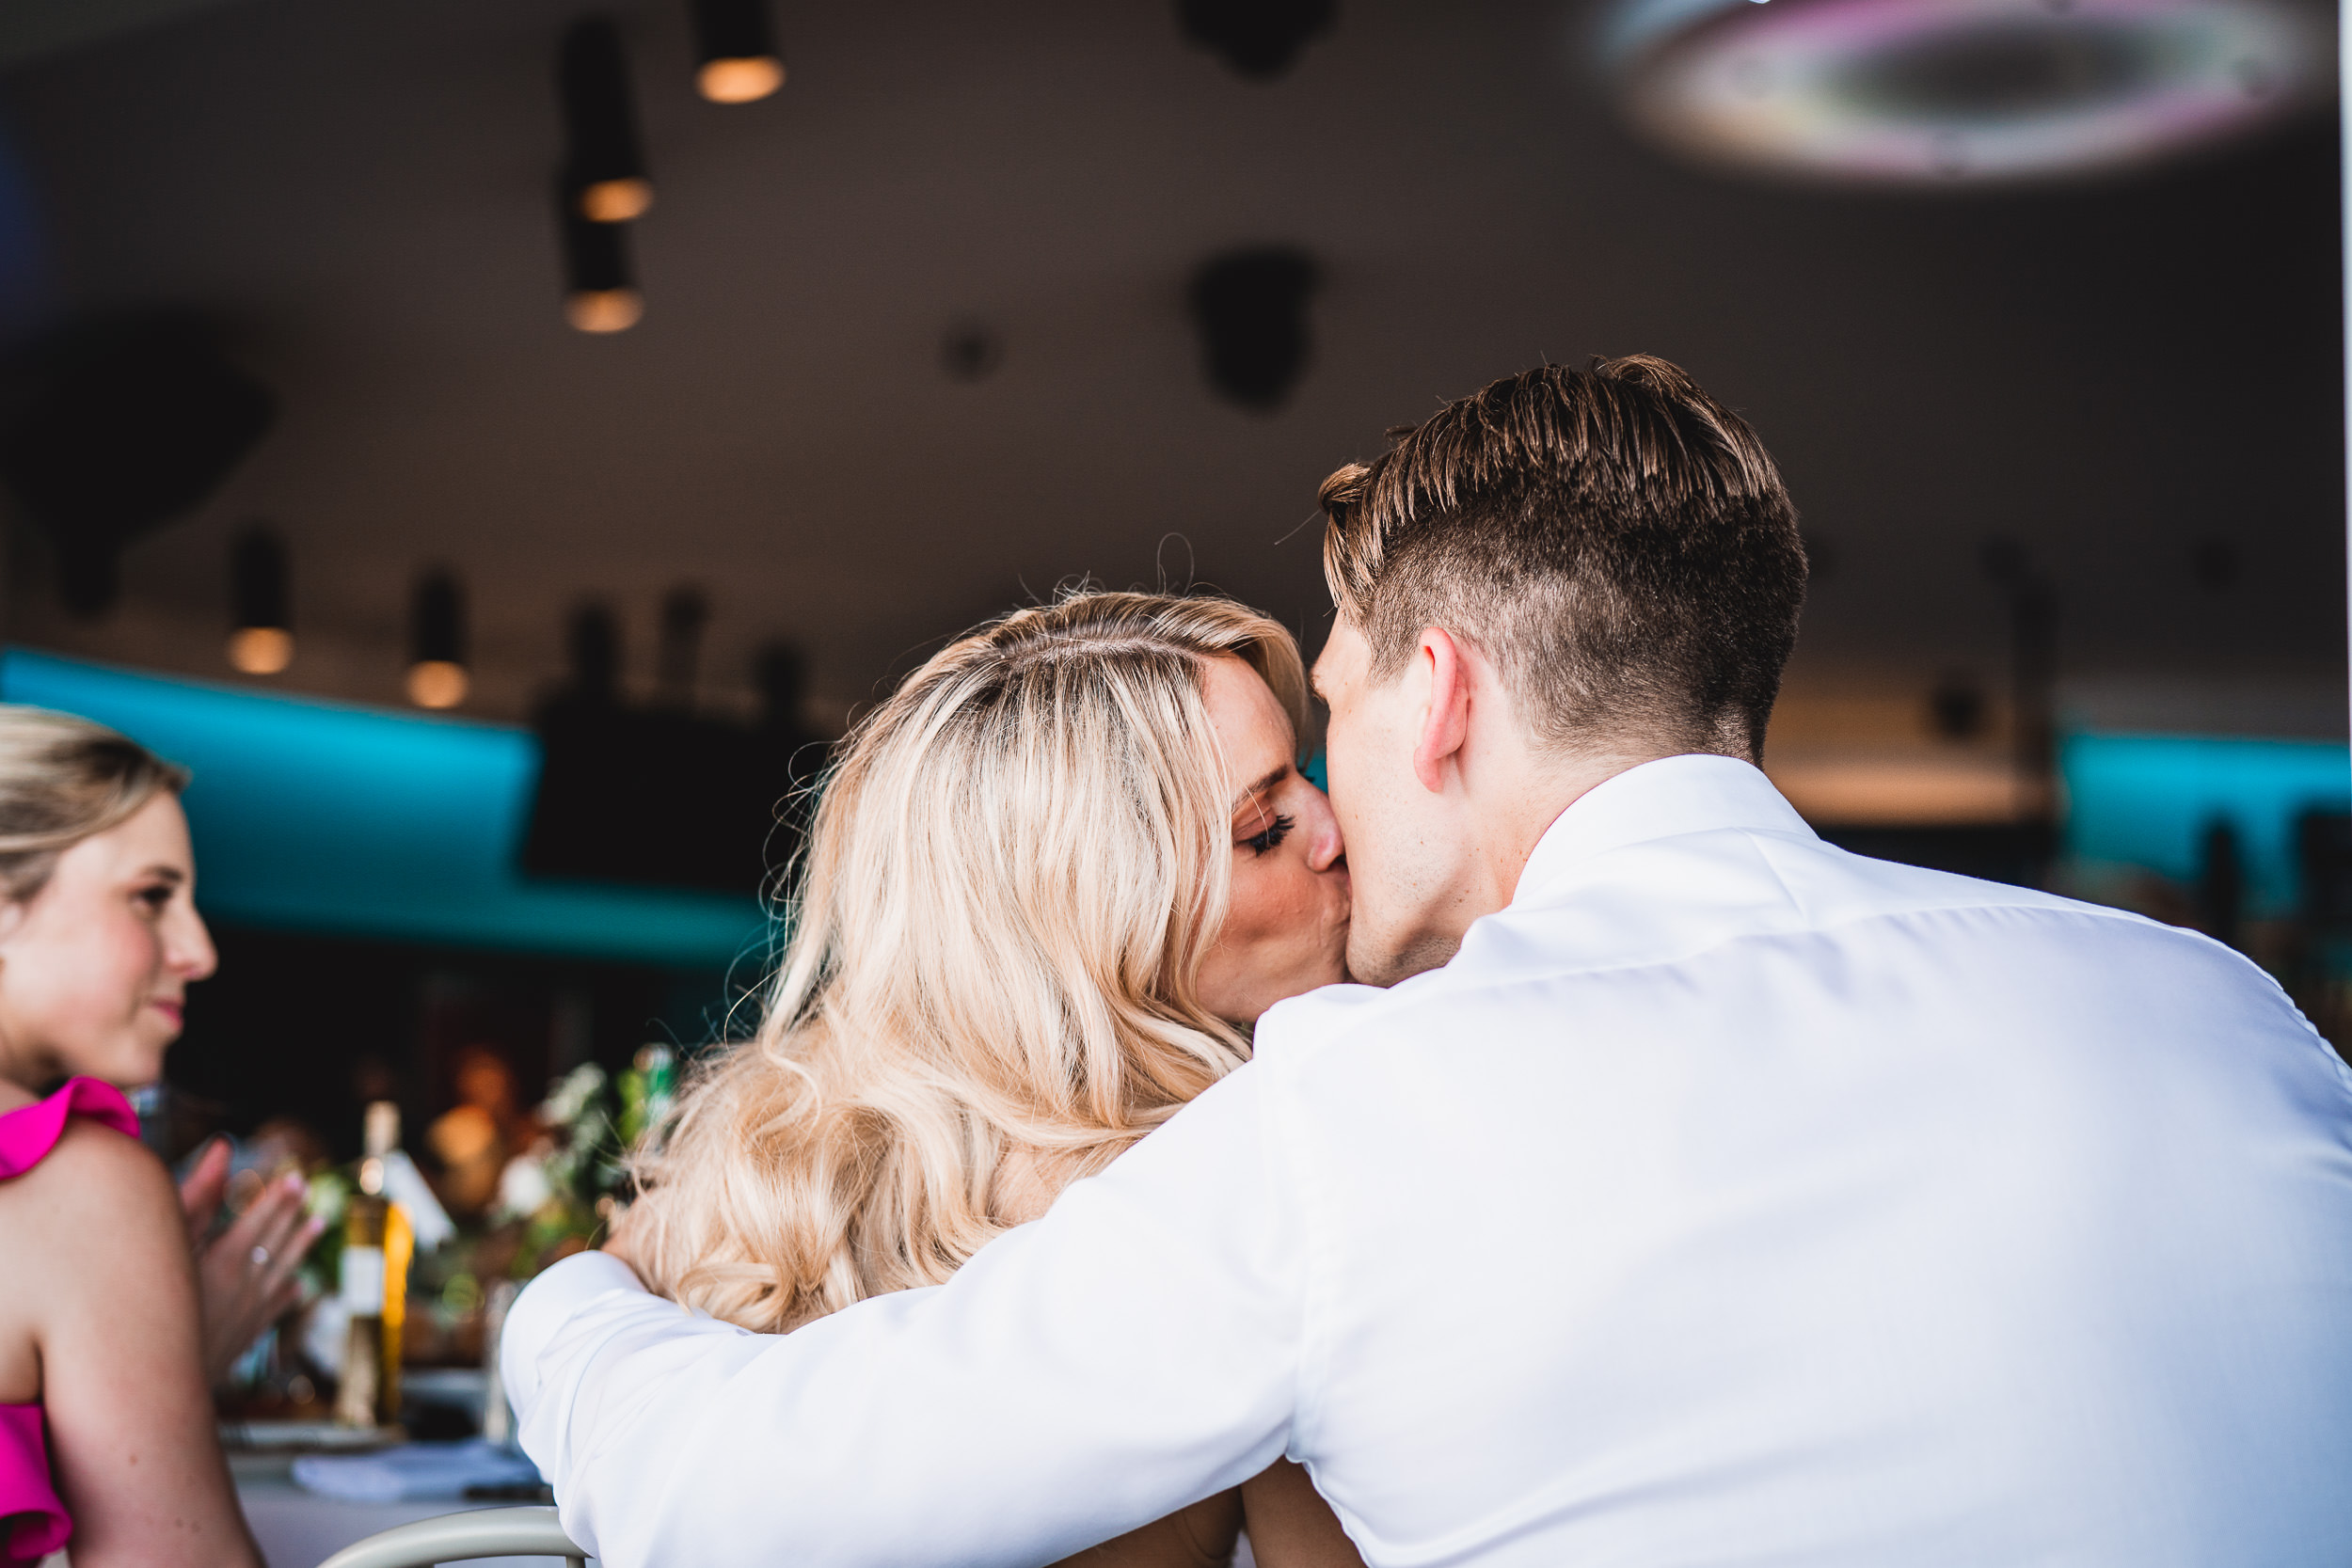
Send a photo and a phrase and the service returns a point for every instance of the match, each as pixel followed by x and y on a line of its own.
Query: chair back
pixel 461 1538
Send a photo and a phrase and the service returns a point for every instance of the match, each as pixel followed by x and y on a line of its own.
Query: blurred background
pixel 499 445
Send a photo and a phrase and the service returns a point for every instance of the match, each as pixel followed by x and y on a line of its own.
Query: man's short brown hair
pixel 1617 542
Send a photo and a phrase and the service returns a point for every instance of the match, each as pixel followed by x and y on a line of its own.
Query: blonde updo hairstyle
pixel 1014 870
pixel 63 779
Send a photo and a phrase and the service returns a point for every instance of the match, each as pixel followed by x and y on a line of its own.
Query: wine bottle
pixel 377 1244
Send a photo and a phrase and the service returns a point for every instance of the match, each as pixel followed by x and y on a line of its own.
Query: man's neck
pixel 1520 817
pixel 1512 815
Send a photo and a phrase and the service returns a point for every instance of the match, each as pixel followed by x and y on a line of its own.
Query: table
pixel 300 1529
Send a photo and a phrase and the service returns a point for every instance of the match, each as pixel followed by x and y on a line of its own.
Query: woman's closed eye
pixel 1272 834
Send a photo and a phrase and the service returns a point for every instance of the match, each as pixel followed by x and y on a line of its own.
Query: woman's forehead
pixel 1251 728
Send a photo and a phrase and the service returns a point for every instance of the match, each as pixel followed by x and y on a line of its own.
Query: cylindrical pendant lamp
pixel 437 642
pixel 606 163
pixel 599 296
pixel 261 635
pixel 737 48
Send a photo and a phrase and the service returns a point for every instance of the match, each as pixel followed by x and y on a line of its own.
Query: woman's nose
pixel 190 952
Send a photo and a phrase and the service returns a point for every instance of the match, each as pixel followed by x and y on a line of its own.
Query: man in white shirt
pixel 1696 1194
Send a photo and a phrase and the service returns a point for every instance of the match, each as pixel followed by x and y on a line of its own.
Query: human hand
pixel 245 1275
pixel 201 1193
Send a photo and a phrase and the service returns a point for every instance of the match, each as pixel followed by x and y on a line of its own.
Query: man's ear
pixel 1445 716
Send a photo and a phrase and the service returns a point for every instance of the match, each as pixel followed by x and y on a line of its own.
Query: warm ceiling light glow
pixel 261 638
pixel 734 48
pixel 740 81
pixel 602 155
pixel 599 296
pixel 604 310
pixel 437 641
pixel 615 201
pixel 437 682
pixel 260 650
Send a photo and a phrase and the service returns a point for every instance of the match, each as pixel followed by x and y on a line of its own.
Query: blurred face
pixel 1286 925
pixel 94 968
pixel 1406 850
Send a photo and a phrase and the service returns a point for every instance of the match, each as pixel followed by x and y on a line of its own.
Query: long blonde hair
pixel 1014 870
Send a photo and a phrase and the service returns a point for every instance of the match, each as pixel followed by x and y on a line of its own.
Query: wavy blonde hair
pixel 1015 869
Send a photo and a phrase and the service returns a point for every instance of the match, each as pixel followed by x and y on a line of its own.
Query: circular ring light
pixel 1940 90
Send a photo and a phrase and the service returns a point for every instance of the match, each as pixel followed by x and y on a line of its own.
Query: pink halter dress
pixel 33 1520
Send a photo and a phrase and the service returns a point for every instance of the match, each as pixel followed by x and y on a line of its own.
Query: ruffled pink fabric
pixel 31 1513
pixel 28 1134
pixel 33 1520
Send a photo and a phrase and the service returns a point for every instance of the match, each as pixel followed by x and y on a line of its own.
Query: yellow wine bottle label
pixel 363 1282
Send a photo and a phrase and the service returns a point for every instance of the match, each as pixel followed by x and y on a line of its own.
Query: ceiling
pixel 2116 374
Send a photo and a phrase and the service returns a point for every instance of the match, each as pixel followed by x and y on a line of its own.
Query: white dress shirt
pixel 1729 1199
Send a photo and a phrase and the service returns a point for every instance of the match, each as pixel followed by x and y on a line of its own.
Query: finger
pixel 285 1217
pixel 286 1294
pixel 286 1256
pixel 282 1290
pixel 268 1211
pixel 201 1193
pixel 303 1241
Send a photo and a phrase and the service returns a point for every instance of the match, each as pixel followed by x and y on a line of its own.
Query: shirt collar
pixel 1657 799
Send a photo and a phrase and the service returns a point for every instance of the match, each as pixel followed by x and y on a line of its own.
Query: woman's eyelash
pixel 1275 832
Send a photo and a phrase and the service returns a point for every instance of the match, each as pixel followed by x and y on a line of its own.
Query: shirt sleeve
pixel 1133 1352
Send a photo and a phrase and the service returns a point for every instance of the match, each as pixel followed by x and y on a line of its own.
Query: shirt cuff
pixel 546 1304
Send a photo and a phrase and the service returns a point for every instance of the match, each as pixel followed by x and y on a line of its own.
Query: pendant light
pixel 598 292
pixel 685 615
pixel 736 49
pixel 437 642
pixel 261 638
pixel 606 163
pixel 1250 307
pixel 1260 38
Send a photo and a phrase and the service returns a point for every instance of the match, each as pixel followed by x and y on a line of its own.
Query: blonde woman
pixel 109 1319
pixel 1050 885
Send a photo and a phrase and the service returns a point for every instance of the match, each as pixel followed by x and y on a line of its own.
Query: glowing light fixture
pixel 736 49
pixel 260 650
pixel 1939 90
pixel 436 643
pixel 606 163
pixel 604 310
pixel 599 293
pixel 261 640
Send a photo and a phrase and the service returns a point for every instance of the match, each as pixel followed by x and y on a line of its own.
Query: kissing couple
pixel 1589 1166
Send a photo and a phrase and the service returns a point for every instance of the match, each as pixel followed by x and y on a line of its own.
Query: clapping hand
pixel 245 1274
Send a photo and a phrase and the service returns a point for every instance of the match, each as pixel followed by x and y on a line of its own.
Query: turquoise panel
pixel 2147 800
pixel 314 816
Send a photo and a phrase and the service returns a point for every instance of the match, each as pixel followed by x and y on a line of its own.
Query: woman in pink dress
pixel 106 1433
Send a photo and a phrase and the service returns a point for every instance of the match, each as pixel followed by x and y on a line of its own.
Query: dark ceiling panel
pixel 2116 374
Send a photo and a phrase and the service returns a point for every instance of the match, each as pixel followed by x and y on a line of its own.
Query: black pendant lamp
pixel 1250 307
pixel 606 163
pixel 600 293
pixel 437 642
pixel 736 47
pixel 261 636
